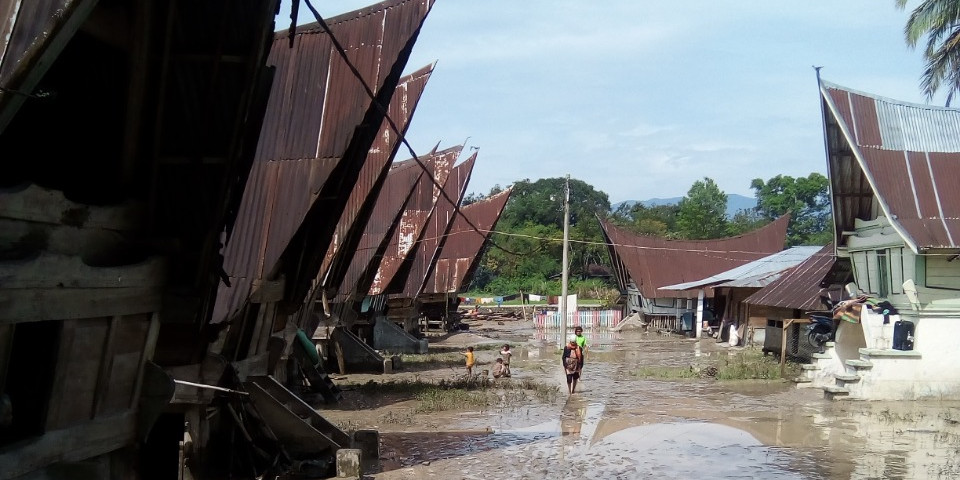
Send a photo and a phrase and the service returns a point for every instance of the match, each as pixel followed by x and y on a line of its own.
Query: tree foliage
pixel 532 233
pixel 939 22
pixel 655 220
pixel 703 212
pixel 806 198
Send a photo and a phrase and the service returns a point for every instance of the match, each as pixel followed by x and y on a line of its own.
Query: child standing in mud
pixel 470 361
pixel 505 354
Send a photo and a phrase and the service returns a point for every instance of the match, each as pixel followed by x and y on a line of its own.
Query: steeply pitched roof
pixel 460 254
pixel 318 128
pixel 654 262
pixel 897 159
pixel 798 287
pixel 757 273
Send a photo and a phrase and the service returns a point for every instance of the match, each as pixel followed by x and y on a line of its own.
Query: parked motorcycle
pixel 820 331
pixel 823 328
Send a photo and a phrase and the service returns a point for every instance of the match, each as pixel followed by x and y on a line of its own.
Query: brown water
pixel 621 427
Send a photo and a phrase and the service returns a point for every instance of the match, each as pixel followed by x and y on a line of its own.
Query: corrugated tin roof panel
pixel 654 262
pixel 799 287
pixel 757 273
pixel 905 162
pixel 400 182
pixel 414 217
pixel 350 226
pixel 424 256
pixel 463 246
pixel 316 106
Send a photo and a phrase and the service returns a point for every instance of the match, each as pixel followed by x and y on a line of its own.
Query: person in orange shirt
pixel 470 360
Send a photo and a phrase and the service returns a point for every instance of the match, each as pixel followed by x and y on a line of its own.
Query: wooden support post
pixel 783 346
pixel 149 347
pixel 106 366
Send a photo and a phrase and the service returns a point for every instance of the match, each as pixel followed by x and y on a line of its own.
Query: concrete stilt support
pixel 387 366
pixel 368 442
pixel 397 362
pixel 423 346
pixel 348 463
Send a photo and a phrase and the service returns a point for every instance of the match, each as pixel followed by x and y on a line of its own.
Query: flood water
pixel 619 426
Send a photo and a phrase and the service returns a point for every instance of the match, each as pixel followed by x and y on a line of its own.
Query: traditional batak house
pixel 643 264
pixel 127 129
pixel 731 287
pixel 403 304
pixel 894 168
pixel 459 259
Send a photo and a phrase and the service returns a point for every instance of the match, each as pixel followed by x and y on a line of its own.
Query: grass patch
pixel 460 392
pixel 666 372
pixel 752 364
pixel 748 364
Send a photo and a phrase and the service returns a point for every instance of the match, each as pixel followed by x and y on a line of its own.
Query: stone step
pixel 821 355
pixel 802 380
pixel 859 364
pixel 833 393
pixel 847 378
pixel 809 366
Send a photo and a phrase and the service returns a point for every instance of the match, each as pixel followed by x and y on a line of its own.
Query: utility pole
pixel 564 272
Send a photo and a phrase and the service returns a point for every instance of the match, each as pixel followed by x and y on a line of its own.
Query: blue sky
pixel 642 98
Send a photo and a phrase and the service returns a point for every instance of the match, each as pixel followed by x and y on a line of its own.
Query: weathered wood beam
pixel 34 305
pixel 72 444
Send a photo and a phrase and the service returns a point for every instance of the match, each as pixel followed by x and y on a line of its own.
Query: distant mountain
pixel 735 203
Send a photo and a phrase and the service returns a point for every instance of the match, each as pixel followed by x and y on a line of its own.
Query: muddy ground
pixel 620 426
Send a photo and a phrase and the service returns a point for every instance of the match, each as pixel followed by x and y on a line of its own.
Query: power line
pixel 393 126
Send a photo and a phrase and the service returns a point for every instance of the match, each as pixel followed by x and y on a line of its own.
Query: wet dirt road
pixel 619 426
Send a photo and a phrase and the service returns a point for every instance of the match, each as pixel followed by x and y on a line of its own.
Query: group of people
pixel 500 369
pixel 572 360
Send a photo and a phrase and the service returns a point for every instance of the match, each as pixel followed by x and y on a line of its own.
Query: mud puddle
pixel 622 427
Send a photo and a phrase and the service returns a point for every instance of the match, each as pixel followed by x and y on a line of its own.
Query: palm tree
pixel 939 21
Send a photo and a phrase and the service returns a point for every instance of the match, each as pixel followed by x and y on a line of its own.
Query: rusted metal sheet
pixel 898 159
pixel 424 257
pixel 463 246
pixel 318 129
pixel 654 262
pixel 422 201
pixel 397 188
pixel 799 287
pixel 365 191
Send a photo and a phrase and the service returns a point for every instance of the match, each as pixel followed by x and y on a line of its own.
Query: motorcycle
pixel 820 331
pixel 823 328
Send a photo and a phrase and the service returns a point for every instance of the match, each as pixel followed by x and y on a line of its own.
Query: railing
pixel 587 319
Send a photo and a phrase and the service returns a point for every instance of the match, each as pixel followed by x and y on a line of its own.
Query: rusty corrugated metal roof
pixel 654 262
pixel 319 127
pixel 422 201
pixel 393 197
pixel 462 248
pixel 419 264
pixel 798 287
pixel 366 190
pixel 894 158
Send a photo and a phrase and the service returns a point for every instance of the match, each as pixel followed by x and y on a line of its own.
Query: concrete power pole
pixel 564 272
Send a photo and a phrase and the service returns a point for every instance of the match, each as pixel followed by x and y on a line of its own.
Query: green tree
pixel 806 198
pixel 703 212
pixel 939 22
pixel 656 220
pixel 532 231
